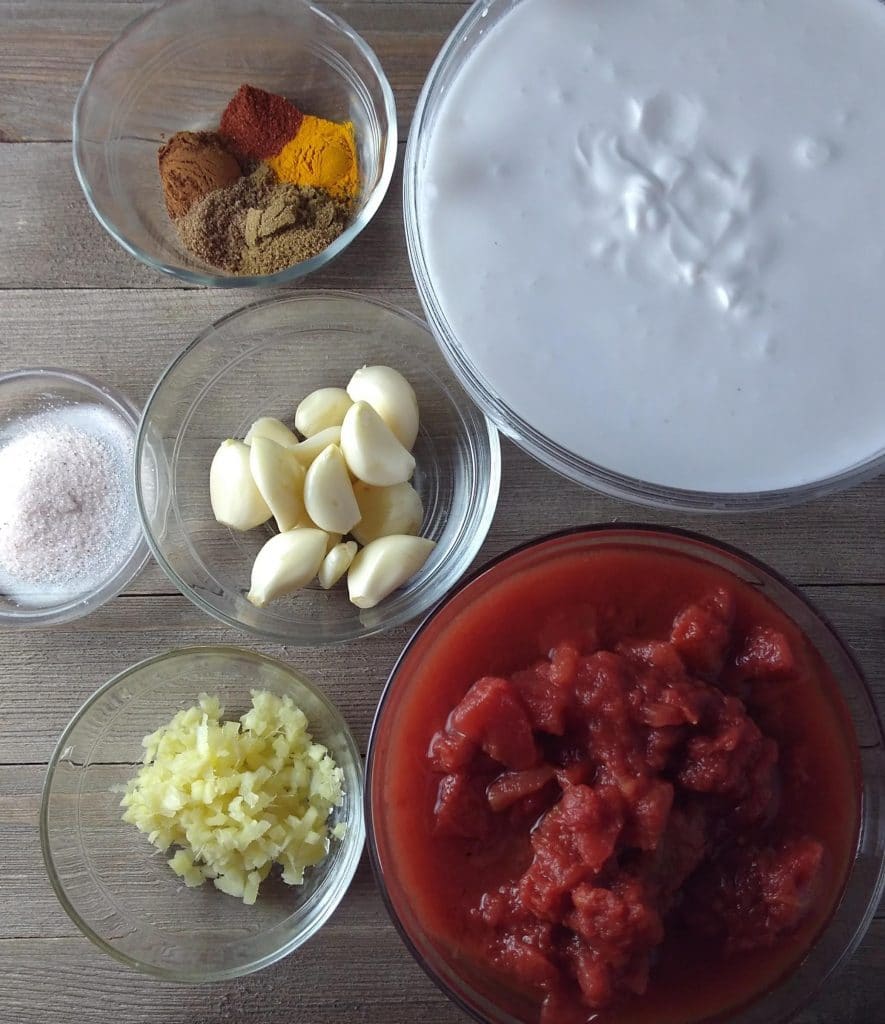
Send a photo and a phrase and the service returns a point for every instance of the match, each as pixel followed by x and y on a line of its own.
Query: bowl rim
pixel 489 440
pixel 222 280
pixel 649 530
pixel 591 475
pixel 85 603
pixel 338 884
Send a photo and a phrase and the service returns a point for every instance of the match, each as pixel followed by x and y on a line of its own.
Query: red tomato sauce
pixel 625 788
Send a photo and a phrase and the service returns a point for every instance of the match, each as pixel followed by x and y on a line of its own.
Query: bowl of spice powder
pixel 233 143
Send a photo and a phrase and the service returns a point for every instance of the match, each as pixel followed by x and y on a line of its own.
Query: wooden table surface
pixel 70 297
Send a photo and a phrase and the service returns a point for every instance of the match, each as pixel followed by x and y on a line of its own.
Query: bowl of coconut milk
pixel 650 240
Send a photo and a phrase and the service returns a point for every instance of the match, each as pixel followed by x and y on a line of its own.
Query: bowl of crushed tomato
pixel 627 775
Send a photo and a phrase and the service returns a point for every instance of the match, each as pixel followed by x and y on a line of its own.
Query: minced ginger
pixel 235 798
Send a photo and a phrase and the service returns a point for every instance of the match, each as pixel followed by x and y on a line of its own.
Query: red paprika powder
pixel 257 124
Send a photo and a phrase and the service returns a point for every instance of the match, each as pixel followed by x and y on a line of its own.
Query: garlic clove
pixel 322 409
pixel 328 494
pixel 336 563
pixel 306 523
pixel 236 501
pixel 391 396
pixel 276 430
pixel 384 565
pixel 386 510
pixel 286 563
pixel 373 453
pixel 308 450
pixel 279 476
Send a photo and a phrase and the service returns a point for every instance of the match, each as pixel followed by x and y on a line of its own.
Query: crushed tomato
pixel 629 785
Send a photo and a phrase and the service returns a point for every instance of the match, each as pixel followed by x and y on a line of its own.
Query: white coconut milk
pixel 657 228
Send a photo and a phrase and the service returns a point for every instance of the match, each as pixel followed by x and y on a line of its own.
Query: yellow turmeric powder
pixel 322 155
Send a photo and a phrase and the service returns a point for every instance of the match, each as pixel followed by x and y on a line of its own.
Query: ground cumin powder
pixel 214 228
pixel 297 223
pixel 260 226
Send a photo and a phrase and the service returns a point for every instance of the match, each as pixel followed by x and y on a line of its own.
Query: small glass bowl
pixel 175 69
pixel 478 21
pixel 866 878
pixel 29 392
pixel 261 361
pixel 118 889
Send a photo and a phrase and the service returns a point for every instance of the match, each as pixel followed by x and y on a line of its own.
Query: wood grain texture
pixel 60 667
pixel 46 49
pixel 49 977
pixel 359 978
pixel 69 296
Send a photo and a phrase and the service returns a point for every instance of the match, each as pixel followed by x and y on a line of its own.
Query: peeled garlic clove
pixel 306 523
pixel 322 409
pixel 373 453
pixel 279 476
pixel 308 450
pixel 328 494
pixel 386 510
pixel 236 501
pixel 286 563
pixel 384 565
pixel 276 430
pixel 336 564
pixel 391 396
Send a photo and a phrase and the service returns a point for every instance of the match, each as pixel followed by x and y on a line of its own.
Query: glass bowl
pixel 118 889
pixel 261 361
pixel 175 69
pixel 30 392
pixel 478 21
pixel 451 623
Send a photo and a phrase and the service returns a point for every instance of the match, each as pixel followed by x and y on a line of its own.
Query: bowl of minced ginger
pixel 202 815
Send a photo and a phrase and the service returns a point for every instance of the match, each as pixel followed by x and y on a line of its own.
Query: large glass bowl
pixel 175 69
pixel 480 19
pixel 30 392
pixel 261 361
pixel 866 879
pixel 118 889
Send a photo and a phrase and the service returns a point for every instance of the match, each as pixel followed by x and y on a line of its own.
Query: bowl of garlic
pixel 202 813
pixel 310 470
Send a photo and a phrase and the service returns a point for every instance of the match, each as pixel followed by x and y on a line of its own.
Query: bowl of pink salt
pixel 234 143
pixel 70 537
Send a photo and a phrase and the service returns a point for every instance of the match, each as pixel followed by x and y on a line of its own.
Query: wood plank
pixel 57 243
pixel 343 976
pixel 46 49
pixel 66 664
pixel 126 339
pixel 63 666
